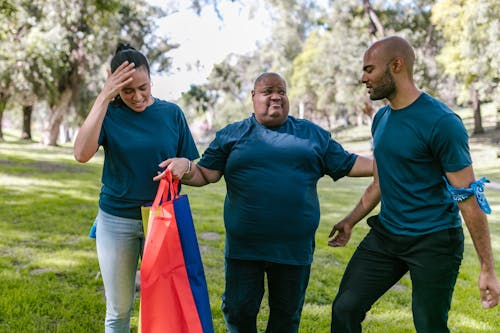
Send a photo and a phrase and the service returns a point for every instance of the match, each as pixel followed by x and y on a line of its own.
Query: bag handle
pixel 168 188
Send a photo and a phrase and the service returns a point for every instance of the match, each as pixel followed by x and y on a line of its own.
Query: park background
pixel 53 60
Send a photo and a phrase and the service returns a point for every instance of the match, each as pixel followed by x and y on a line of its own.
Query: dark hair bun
pixel 125 52
pixel 123 47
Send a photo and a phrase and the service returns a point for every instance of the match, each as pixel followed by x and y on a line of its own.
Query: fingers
pixel 176 173
pixel 123 74
pixel 163 174
pixel 159 176
pixel 488 300
pixel 176 165
pixel 332 243
pixel 165 163
pixel 118 79
pixel 335 229
pixel 336 240
pixel 339 236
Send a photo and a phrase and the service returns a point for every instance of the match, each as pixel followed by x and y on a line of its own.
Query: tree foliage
pixel 326 74
pixel 62 46
pixel 471 47
pixel 59 50
pixel 319 52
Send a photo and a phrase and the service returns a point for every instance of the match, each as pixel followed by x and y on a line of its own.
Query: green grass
pixel 49 279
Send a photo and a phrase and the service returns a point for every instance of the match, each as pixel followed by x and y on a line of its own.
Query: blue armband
pixel 476 188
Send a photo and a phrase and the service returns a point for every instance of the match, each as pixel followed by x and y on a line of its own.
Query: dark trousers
pixel 382 258
pixel 245 289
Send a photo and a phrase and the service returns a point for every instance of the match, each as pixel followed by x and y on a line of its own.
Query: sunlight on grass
pixel 38 152
pixel 15 236
pixel 466 323
pixel 48 264
pixel 56 262
pixel 388 321
pixel 317 309
pixel 11 275
pixel 64 258
pixel 23 185
pixel 315 318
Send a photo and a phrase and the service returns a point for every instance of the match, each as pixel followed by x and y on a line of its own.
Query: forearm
pixel 369 200
pixel 477 225
pixel 86 142
pixel 200 176
pixel 195 177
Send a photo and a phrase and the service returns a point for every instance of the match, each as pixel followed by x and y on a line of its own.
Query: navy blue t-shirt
pixel 414 147
pixel 134 144
pixel 271 210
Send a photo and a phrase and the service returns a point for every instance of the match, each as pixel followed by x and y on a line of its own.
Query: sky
pixel 205 40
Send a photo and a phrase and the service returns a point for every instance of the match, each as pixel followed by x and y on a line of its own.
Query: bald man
pixel 271 163
pixel 421 161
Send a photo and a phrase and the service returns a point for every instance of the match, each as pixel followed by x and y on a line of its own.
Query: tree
pixel 7 62
pixel 471 48
pixel 198 97
pixel 88 31
pixel 325 80
pixel 61 48
pixel 227 90
pixel 375 26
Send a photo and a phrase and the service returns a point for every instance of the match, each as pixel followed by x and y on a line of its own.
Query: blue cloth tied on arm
pixel 476 188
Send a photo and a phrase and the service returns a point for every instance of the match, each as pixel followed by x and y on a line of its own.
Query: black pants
pixel 245 288
pixel 380 261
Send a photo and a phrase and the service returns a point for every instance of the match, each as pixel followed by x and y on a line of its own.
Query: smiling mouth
pixel 138 104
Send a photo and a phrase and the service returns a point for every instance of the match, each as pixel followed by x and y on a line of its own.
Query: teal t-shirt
pixel 134 144
pixel 271 210
pixel 414 147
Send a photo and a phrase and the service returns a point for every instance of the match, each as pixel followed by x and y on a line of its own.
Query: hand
pixel 178 166
pixel 117 80
pixel 489 289
pixel 341 233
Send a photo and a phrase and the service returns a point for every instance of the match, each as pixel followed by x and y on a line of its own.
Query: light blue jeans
pixel 119 243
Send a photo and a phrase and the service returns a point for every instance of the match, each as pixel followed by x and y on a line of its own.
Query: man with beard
pixel 423 178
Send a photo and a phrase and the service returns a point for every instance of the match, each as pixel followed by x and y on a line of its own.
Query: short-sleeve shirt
pixel 413 148
pixel 271 210
pixel 134 144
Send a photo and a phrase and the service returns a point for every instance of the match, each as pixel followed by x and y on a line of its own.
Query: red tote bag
pixel 167 303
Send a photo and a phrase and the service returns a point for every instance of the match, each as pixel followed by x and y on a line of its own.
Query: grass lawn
pixel 49 273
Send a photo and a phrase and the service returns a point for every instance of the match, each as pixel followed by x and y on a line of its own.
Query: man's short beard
pixel 386 88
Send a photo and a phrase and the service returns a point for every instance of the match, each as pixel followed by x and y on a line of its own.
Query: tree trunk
pixel 498 118
pixel 56 117
pixel 375 23
pixel 3 105
pixel 302 108
pixel 27 111
pixel 326 116
pixel 476 108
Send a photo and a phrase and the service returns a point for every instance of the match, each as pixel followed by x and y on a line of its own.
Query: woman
pixel 137 132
